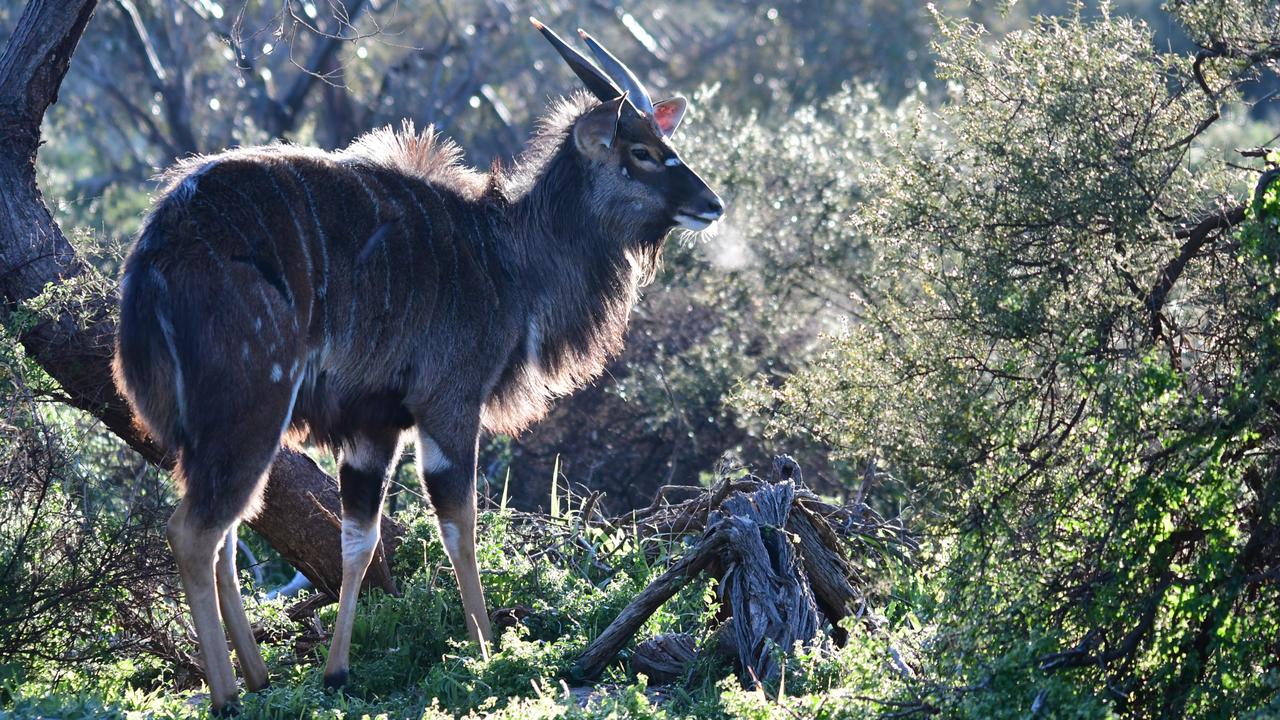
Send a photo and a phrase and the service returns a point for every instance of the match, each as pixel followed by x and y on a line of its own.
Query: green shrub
pixel 1076 385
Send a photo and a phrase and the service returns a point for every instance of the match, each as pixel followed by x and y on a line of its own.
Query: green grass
pixel 410 657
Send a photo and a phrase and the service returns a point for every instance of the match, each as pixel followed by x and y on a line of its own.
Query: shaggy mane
pixel 427 156
pixel 548 136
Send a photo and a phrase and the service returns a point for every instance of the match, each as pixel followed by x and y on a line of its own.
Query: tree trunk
pixel 72 334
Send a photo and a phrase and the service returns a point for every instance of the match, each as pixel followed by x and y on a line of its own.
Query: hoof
pixel 335 681
pixel 228 710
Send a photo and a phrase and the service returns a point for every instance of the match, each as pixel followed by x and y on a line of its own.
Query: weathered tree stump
pixel 763 582
pixel 780 556
pixel 619 632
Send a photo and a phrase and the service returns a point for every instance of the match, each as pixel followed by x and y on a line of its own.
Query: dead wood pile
pixel 785 562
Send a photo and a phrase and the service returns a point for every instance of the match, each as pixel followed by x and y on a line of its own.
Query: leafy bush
pixel 782 268
pixel 70 564
pixel 1073 370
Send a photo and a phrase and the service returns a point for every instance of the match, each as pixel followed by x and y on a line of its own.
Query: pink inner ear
pixel 667 115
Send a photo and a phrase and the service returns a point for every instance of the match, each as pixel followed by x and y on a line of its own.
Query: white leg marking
pixel 452 538
pixel 363 456
pixel 431 456
pixel 358 541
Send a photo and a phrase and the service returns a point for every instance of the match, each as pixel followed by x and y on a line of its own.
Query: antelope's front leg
pixel 447 464
pixel 362 481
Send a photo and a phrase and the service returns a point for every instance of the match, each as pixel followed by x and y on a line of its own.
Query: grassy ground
pixel 410 658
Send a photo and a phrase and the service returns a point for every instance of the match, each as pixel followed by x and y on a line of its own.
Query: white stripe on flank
pixel 533 346
pixel 322 240
pixel 187 188
pixel 377 206
pixel 355 279
pixel 297 227
pixel 166 329
pixel 293 399
pixel 179 387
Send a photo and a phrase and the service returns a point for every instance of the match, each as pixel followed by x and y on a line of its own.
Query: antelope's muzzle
pixel 699 213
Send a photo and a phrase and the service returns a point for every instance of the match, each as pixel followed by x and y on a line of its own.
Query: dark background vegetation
pixel 997 268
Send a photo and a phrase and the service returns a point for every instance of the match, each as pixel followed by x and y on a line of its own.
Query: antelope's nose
pixel 708 207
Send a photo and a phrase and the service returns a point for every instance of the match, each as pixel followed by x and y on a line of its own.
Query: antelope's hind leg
pixel 195 548
pixel 249 656
pixel 229 444
pixel 362 480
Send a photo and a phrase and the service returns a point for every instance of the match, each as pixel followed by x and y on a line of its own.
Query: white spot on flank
pixel 358 541
pixel 671 162
pixel 244 350
pixel 276 372
pixel 257 324
pixel 431 456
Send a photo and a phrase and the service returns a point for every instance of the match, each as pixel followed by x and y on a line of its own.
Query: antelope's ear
pixel 595 132
pixel 668 114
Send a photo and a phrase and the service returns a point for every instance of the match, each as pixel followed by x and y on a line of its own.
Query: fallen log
pixel 664 658
pixel 619 632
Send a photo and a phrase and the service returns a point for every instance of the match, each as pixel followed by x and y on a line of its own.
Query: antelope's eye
pixel 642 154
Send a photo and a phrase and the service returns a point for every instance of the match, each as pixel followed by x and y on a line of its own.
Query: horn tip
pixel 583 34
pixel 536 23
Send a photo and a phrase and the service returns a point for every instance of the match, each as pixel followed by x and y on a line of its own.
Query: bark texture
pixel 71 334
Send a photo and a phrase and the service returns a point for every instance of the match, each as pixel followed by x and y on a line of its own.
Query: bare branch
pixel 1196 236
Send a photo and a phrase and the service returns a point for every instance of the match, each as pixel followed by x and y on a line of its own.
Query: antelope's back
pixel 258 266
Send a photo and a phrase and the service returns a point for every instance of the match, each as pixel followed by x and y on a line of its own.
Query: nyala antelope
pixel 357 295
